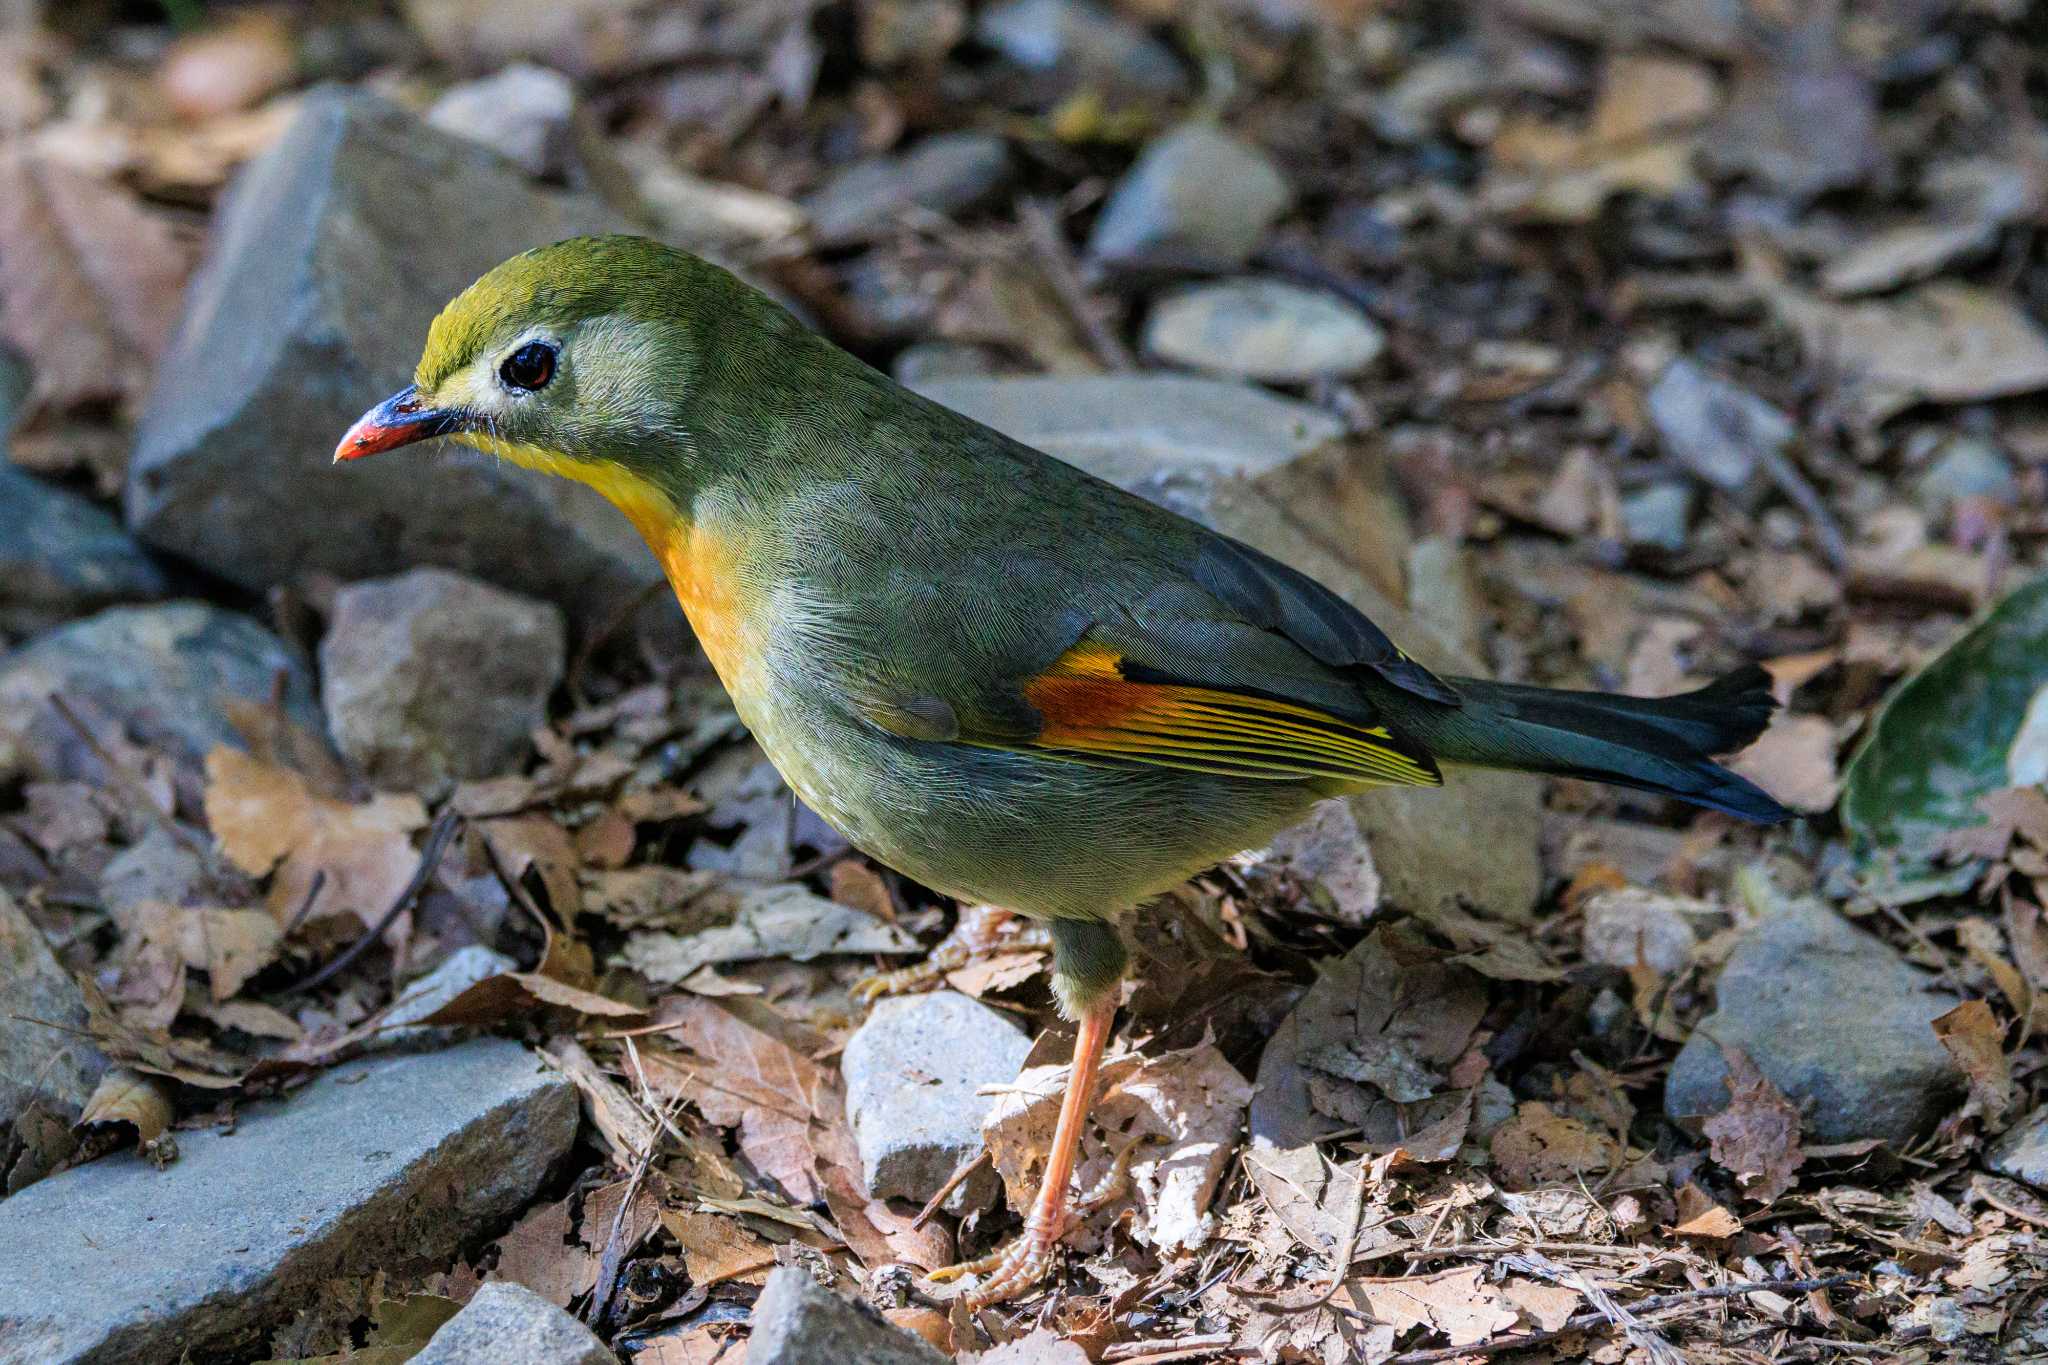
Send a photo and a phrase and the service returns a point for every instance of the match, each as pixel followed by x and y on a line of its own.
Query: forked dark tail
pixel 1661 744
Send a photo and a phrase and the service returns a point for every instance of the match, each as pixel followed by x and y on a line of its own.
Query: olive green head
pixel 576 358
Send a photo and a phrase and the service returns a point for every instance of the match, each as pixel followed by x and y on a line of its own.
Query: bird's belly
pixel 1030 832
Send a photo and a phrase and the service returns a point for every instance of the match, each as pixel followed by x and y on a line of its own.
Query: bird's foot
pixel 1011 1270
pixel 980 929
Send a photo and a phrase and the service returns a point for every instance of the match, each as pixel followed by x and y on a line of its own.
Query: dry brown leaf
pixel 230 946
pixel 1042 1347
pixel 1757 1136
pixel 627 1130
pixel 1454 1303
pixel 1539 1146
pixel 1548 1306
pixel 1700 1216
pixel 1794 760
pixel 783 921
pixel 90 282
pixel 141 1101
pixel 542 1253
pixel 511 995
pixel 998 973
pixel 266 818
pixel 1973 1037
pixel 718 1247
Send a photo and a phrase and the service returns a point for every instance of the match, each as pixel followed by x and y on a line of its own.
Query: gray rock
pixel 430 677
pixel 927 362
pixel 1072 45
pixel 61 556
pixel 1714 428
pixel 162 672
pixel 1659 516
pixel 912 1070
pixel 1835 1019
pixel 509 1324
pixel 45 1062
pixel 459 971
pixel 1274 474
pixel 2023 1152
pixel 333 253
pixel 942 174
pixel 522 114
pixel 799 1322
pixel 383 1167
pixel 1966 468
pixel 1263 329
pixel 1196 199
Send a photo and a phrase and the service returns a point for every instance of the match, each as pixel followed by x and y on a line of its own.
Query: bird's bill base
pixel 400 420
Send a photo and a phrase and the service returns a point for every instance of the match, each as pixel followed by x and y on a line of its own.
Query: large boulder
pixel 332 255
pixel 63 556
pixel 1275 474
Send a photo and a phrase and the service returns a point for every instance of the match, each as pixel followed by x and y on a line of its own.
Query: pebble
pixel 162 672
pixel 63 556
pixel 1073 45
pixel 509 1324
pixel 799 1322
pixel 522 114
pixel 912 1072
pixel 1263 329
pixel 431 678
pixel 42 1062
pixel 1196 199
pixel 1715 428
pixel 1966 468
pixel 1660 515
pixel 942 175
pixel 459 971
pixel 1835 1019
pixel 2023 1152
pixel 378 1168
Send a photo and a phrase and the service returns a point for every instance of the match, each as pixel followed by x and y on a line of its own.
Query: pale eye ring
pixel 529 368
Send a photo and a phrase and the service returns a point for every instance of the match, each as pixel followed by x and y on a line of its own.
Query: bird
pixel 1009 680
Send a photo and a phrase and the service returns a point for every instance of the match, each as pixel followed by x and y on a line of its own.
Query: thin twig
pixel 614 1249
pixel 1793 483
pixel 1341 1263
pixel 1580 1322
pixel 430 860
pixel 1171 1346
pixel 1056 263
pixel 953 1182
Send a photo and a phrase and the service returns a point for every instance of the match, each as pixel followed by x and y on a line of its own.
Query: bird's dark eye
pixel 530 367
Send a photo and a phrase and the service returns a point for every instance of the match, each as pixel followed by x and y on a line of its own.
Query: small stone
pixel 1966 468
pixel 1074 45
pixel 509 1324
pixel 522 114
pixel 912 1071
pixel 1659 516
pixel 386 1167
pixel 459 971
pixel 1263 329
pixel 312 305
pixel 162 672
pixel 62 556
pixel 928 362
pixel 1633 926
pixel 431 678
pixel 2023 1152
pixel 1196 199
pixel 43 1057
pixel 799 1322
pixel 942 175
pixel 1835 1019
pixel 1716 429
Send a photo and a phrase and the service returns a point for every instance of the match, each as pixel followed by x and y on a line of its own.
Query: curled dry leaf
pixel 1540 1146
pixel 90 282
pixel 718 1247
pixel 1454 1303
pixel 1042 1347
pixel 141 1101
pixel 1186 1107
pixel 1700 1216
pixel 1757 1136
pixel 772 921
pixel 267 818
pixel 1972 1035
pixel 543 1253
pixel 510 995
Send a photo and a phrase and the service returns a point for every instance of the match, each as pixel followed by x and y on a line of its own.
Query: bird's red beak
pixel 398 421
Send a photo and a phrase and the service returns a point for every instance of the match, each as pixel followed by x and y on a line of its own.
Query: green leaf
pixel 1941 741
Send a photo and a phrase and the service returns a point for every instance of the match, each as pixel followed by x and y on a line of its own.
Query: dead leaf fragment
pixel 143 1102
pixel 1972 1035
pixel 1454 1303
pixel 1757 1136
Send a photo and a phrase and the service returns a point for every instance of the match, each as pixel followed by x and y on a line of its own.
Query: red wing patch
pixel 1091 708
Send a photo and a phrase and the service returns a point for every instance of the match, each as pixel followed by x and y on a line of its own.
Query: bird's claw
pixel 980 929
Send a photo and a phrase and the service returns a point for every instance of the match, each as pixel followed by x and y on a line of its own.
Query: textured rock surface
pixel 521 113
pixel 2023 1152
pixel 1263 329
pixel 385 1166
pixel 313 304
pixel 1272 473
pixel 431 677
pixel 509 1324
pixel 912 1070
pixel 1197 198
pixel 61 556
pixel 1074 44
pixel 798 1322
pixel 39 1063
pixel 942 174
pixel 461 969
pixel 162 672
pixel 1835 1019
